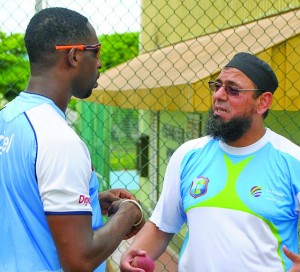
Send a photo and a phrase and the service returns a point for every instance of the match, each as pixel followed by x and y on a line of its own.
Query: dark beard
pixel 229 131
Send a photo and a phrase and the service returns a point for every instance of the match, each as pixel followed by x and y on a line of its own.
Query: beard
pixel 229 131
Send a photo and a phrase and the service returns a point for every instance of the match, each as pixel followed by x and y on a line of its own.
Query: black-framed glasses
pixel 230 90
pixel 94 47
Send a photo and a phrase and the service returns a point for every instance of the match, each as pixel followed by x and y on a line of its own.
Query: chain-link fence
pixel 158 57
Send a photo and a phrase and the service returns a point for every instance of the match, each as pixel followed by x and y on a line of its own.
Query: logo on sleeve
pixel 199 186
pixel 84 199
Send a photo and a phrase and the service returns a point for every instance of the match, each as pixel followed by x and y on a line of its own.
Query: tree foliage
pixel 14 66
pixel 118 48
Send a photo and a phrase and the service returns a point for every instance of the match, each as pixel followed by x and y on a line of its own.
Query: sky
pixel 107 16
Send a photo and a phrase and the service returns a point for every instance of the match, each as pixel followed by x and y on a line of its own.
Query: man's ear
pixel 264 102
pixel 73 56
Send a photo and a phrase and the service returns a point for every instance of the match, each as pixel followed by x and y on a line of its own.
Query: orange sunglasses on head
pixel 94 47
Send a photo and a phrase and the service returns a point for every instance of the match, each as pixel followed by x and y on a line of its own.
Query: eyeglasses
pixel 230 90
pixel 94 47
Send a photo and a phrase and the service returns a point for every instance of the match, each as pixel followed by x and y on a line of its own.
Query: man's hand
pixel 115 206
pixel 110 202
pixel 294 258
pixel 106 198
pixel 125 264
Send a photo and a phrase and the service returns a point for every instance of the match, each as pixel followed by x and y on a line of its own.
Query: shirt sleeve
pixel 63 164
pixel 169 214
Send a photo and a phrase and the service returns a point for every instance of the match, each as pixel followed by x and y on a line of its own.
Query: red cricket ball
pixel 144 262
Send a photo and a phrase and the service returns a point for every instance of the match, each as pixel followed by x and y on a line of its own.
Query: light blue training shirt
pixel 45 168
pixel 240 205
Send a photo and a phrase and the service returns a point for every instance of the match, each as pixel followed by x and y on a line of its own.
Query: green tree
pixel 118 48
pixel 14 66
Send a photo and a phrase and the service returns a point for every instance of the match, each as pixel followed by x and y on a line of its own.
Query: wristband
pixel 138 205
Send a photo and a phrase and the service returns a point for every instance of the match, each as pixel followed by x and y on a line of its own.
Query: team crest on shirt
pixel 199 186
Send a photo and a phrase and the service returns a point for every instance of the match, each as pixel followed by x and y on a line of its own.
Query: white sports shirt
pixel 240 204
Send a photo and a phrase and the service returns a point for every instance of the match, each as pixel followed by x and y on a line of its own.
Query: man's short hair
pixel 53 26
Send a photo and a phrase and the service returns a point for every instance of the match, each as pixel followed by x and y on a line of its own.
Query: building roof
pixel 175 77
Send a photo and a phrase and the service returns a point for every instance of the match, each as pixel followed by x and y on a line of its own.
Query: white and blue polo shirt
pixel 240 204
pixel 45 169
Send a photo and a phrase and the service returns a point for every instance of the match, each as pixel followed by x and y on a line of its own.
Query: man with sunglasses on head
pixel 51 211
pixel 236 189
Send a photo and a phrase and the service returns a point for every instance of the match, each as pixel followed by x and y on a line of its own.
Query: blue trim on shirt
pixel 69 213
